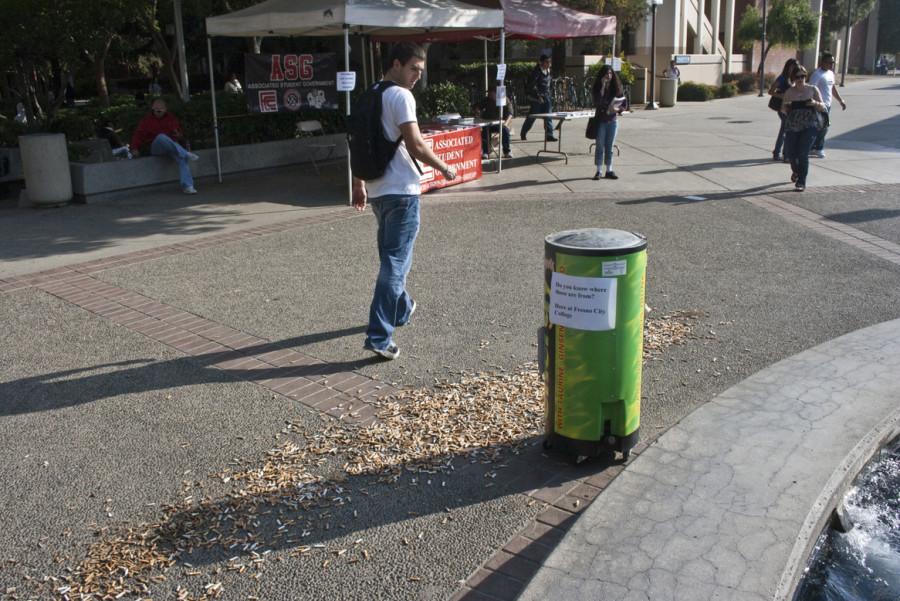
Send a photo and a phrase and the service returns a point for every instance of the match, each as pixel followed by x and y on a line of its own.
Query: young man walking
pixel 823 78
pixel 537 90
pixel 395 200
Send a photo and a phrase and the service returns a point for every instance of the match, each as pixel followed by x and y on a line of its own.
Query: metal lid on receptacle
pixel 597 241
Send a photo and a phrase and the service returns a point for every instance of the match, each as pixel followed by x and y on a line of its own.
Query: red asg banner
pixel 461 149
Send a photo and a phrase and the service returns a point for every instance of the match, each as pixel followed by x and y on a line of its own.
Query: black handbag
pixel 775 103
pixel 590 132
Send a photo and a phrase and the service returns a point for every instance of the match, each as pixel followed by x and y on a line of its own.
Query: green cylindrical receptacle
pixel 593 339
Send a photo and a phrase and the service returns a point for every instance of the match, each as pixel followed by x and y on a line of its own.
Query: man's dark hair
pixel 827 57
pixel 544 57
pixel 404 51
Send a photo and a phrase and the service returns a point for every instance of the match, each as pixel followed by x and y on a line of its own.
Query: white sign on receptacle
pixel 346 81
pixel 583 303
pixel 614 268
pixel 501 72
pixel 607 61
pixel 617 64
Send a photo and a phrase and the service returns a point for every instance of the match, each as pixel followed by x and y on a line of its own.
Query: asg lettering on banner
pixel 290 82
pixel 296 67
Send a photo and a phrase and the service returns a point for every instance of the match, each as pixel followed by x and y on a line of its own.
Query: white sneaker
pixel 190 190
pixel 193 157
pixel 390 353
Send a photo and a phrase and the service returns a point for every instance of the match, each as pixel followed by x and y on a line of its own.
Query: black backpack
pixel 370 150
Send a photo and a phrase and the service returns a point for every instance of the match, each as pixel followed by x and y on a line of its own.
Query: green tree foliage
pixel 834 12
pixel 628 13
pixel 788 23
pixel 889 27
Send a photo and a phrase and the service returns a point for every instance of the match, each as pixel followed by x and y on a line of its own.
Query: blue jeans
pixel 398 225
pixel 819 143
pixel 486 138
pixel 796 148
pixel 539 106
pixel 606 137
pixel 163 145
pixel 779 141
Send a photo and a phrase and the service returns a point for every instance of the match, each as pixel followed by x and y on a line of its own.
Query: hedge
pixel 726 90
pixel 691 91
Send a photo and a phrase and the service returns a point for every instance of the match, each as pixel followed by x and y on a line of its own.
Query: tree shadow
pixel 162 212
pixel 881 134
pixel 68 388
pixel 863 215
pixel 315 518
pixel 710 166
pixel 763 190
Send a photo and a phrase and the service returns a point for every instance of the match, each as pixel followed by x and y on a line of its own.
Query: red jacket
pixel 151 126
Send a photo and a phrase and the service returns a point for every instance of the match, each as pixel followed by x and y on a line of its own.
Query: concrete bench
pixel 99 181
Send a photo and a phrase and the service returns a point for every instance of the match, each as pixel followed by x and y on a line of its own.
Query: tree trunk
pixel 168 61
pixel 425 46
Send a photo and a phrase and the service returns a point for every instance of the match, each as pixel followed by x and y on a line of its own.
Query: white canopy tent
pixel 322 18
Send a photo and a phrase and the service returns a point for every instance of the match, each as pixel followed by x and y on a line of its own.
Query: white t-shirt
pixel 824 80
pixel 401 177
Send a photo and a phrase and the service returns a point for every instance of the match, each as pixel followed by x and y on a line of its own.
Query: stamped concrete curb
pixel 832 495
pixel 714 509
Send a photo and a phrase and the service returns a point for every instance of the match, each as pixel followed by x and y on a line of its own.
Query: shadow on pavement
pixel 56 390
pixel 317 518
pixel 863 215
pixel 711 166
pixel 883 133
pixel 161 211
pixel 705 196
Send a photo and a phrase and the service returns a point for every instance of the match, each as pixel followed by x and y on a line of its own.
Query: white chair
pixel 313 128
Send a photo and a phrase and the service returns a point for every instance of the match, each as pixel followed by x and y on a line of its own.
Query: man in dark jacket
pixel 537 90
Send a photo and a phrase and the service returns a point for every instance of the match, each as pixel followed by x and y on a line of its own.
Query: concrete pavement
pixel 178 334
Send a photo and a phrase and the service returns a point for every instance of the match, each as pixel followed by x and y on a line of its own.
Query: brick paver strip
pixel 879 247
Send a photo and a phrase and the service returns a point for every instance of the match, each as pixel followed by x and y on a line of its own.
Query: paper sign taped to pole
pixel 346 81
pixel 583 303
pixel 501 95
pixel 501 72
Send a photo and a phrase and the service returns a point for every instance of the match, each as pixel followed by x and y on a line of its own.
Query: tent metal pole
pixel 485 67
pixel 212 94
pixel 365 65
pixel 347 111
pixel 503 106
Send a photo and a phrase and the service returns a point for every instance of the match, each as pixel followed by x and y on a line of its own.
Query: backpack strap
pixel 383 85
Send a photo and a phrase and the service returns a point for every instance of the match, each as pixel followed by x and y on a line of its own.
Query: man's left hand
pixel 843 105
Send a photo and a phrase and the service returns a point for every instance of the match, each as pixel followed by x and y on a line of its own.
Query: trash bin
pixel 45 161
pixel 668 92
pixel 590 348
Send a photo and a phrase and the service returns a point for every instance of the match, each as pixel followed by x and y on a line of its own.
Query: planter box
pixel 95 179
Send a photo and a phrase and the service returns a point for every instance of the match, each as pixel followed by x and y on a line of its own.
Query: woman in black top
pixel 607 88
pixel 803 107
pixel 776 91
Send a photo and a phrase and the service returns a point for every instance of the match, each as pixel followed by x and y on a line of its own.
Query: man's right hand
pixel 449 173
pixel 359 196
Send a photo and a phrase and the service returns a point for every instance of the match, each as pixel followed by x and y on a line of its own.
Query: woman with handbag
pixel 776 92
pixel 804 116
pixel 609 103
